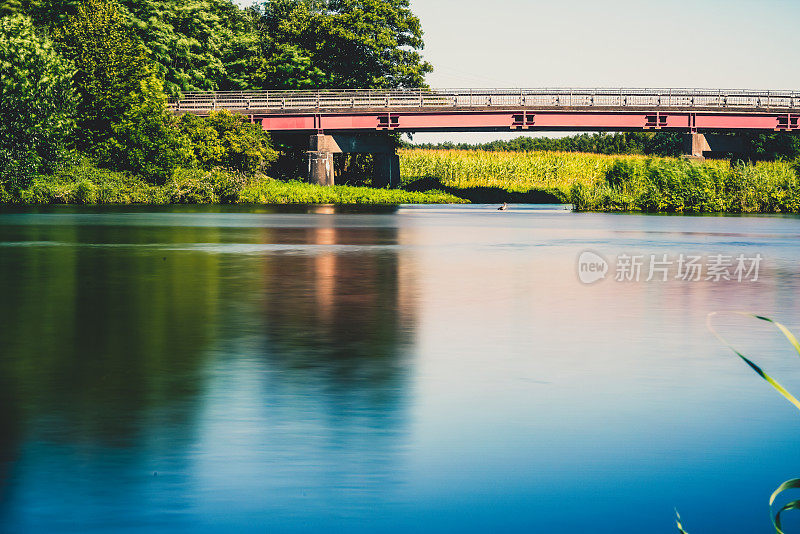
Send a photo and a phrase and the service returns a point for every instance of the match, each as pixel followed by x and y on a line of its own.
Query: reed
pixel 789 484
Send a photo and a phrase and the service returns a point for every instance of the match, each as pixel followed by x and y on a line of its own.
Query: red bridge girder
pixel 529 119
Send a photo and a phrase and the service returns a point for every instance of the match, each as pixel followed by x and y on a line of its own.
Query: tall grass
pixel 613 183
pixel 789 484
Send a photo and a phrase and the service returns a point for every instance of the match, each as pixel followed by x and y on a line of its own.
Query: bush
pixel 226 140
pixel 84 183
pixel 196 186
pixel 625 172
pixel 190 186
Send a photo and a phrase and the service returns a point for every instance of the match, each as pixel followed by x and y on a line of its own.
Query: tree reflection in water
pixel 129 350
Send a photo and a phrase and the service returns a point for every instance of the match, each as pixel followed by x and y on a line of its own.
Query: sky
pixel 730 44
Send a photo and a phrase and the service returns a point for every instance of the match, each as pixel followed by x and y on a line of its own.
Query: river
pixel 418 369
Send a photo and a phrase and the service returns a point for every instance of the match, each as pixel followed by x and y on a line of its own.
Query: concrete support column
pixel 322 148
pixel 320 159
pixel 699 146
pixel 387 170
pixel 320 167
pixel 694 145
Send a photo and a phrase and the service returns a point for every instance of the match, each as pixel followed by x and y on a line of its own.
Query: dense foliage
pixel 123 120
pixel 228 141
pixel 37 105
pixel 86 184
pixel 338 44
pixel 655 185
pixel 276 44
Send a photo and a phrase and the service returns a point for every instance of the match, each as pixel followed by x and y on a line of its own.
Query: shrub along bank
pixel 84 183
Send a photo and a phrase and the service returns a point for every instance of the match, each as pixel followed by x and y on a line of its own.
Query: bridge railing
pixel 349 99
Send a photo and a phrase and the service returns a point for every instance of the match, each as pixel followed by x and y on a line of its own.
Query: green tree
pixel 37 102
pixel 123 117
pixel 188 40
pixel 339 44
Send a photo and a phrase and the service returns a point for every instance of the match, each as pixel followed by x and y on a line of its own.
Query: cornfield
pixel 512 171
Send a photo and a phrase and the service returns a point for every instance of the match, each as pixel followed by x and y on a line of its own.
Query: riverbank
pixel 590 182
pixel 85 184
pixel 606 183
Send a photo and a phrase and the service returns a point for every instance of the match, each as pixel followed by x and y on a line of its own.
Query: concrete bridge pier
pixel 697 146
pixel 322 147
pixel 320 167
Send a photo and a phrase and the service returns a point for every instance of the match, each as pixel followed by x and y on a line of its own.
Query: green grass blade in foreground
pixel 779 388
pixel 678 522
pixel 786 332
pixel 794 505
pixel 795 482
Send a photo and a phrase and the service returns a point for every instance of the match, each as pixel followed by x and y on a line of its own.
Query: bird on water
pixel 503 207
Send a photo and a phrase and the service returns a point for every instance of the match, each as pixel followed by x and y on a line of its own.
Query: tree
pixel 37 103
pixel 339 44
pixel 123 118
pixel 187 39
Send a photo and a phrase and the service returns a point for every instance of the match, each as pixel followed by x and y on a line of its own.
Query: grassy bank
pixel 588 181
pixel 296 192
pixel 606 183
pixel 86 184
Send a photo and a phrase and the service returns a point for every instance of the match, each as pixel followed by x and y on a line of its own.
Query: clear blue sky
pixel 610 43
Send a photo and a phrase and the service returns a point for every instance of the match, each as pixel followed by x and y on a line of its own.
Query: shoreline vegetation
pixel 590 182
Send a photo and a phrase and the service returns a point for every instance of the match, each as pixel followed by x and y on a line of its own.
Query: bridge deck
pixel 502 109
pixel 365 99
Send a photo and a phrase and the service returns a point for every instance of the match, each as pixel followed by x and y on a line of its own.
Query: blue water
pixel 421 369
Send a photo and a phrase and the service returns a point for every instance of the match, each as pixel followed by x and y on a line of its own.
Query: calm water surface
pixel 424 369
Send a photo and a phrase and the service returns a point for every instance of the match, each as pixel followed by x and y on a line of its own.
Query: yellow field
pixel 512 171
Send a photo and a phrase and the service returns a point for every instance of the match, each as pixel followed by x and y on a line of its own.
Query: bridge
pixel 360 120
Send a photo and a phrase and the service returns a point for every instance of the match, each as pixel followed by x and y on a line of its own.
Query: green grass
pixel 606 183
pixel 296 192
